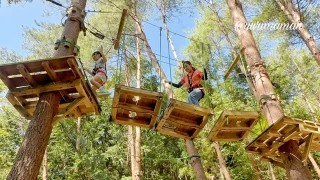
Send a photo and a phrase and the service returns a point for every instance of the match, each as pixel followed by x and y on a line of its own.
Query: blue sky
pixel 16 16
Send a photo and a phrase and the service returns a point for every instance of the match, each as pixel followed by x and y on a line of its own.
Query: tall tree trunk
pixel 151 55
pixel 233 51
pixel 162 9
pixel 138 175
pixel 132 151
pixel 316 94
pixel 314 164
pixel 222 163
pixel 78 140
pixel 195 162
pixel 131 139
pixel 35 141
pixel 78 134
pixel 273 177
pixel 294 17
pixel 45 165
pixel 306 100
pixel 30 154
pixel 270 105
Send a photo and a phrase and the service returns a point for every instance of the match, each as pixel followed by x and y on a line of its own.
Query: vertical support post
pixel 31 152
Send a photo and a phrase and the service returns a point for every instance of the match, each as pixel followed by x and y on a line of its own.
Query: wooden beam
pixel 18 106
pixel 165 116
pixel 233 64
pixel 26 75
pixel 136 108
pixel 138 92
pixel 121 25
pixel 74 67
pixel 235 128
pixel 293 132
pixel 45 88
pixel 83 93
pixel 51 73
pixel 174 133
pixel 6 80
pixel 193 109
pixel 69 109
pixel 132 122
pixel 183 122
pixel 307 148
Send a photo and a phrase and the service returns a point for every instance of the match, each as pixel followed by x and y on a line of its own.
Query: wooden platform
pixel 233 126
pixel 183 120
pixel 266 145
pixel 27 80
pixel 136 107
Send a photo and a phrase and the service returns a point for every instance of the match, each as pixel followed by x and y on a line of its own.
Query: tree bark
pixel 35 141
pixel 273 177
pixel 269 103
pixel 131 136
pixel 316 94
pixel 311 110
pixel 78 134
pixel 314 164
pixel 138 174
pixel 233 51
pixel 31 152
pixel 132 151
pixel 151 55
pixel 294 17
pixel 162 9
pixel 78 139
pixel 291 158
pixel 45 165
pixel 195 161
pixel 222 163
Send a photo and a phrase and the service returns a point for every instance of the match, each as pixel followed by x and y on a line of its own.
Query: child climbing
pixel 99 72
pixel 193 82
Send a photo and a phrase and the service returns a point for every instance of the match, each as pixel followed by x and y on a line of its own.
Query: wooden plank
pixel 121 25
pixel 233 64
pixel 69 109
pixel 45 88
pixel 74 67
pixel 307 147
pixel 82 93
pixel 51 73
pixel 165 116
pixel 232 128
pixel 115 104
pixel 191 108
pixel 182 121
pixel 292 133
pixel 138 92
pixel 224 139
pixel 156 111
pixel 132 122
pixel 174 133
pixel 35 65
pixel 6 80
pixel 77 112
pixel 26 75
pixel 18 106
pixel 136 108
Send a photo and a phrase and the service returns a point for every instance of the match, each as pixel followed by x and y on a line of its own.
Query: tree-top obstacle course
pixel 46 91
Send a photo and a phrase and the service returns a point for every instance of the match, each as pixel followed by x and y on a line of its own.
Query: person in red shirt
pixel 192 80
